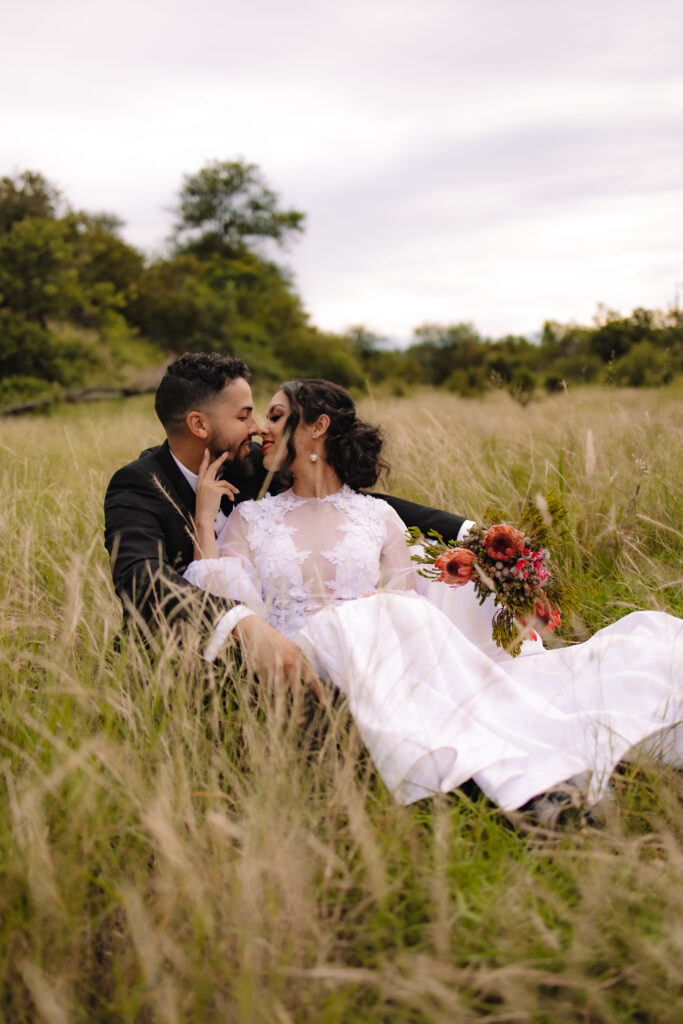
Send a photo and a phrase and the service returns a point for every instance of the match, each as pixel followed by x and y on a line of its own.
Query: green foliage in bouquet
pixel 512 565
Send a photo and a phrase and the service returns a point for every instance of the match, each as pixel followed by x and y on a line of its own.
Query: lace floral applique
pixel 278 561
pixel 289 597
pixel 357 556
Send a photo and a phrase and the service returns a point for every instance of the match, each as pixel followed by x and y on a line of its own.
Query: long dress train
pixel 435 701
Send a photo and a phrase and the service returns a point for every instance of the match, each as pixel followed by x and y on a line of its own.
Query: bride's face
pixel 275 436
pixel 274 446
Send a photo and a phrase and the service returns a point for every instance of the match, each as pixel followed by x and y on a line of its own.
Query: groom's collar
pixel 191 477
pixel 173 471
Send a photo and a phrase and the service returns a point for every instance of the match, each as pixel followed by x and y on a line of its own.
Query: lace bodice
pixel 302 554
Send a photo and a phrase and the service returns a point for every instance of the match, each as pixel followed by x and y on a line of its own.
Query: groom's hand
pixel 274 658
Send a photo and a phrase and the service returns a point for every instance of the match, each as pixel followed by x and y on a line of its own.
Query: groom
pixel 204 402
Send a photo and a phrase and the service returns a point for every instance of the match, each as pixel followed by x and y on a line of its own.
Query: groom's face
pixel 231 422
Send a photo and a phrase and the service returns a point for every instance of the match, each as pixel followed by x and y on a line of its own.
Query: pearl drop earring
pixel 313 457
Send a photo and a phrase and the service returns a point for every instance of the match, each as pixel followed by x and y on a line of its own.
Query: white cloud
pixel 487 161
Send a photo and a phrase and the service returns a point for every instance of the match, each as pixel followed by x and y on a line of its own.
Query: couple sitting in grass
pixel 315 582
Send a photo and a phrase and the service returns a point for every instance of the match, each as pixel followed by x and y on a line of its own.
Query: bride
pixel 435 701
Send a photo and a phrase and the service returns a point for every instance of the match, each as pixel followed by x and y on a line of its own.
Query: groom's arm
pixel 450 526
pixel 150 588
pixel 136 537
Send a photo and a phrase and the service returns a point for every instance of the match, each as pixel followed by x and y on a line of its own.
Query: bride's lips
pixel 265 446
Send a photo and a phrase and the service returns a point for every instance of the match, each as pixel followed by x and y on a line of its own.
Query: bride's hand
pixel 275 658
pixel 210 491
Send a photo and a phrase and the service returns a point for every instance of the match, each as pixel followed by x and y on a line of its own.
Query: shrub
pixel 643 366
pixel 522 385
pixel 22 388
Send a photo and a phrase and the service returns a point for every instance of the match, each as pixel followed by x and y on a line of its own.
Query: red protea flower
pixel 456 566
pixel 503 542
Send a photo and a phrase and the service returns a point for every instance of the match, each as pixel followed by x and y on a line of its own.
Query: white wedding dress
pixel 435 701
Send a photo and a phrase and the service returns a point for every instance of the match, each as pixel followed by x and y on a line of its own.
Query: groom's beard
pixel 242 468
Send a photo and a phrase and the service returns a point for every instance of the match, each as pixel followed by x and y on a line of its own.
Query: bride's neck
pixel 316 480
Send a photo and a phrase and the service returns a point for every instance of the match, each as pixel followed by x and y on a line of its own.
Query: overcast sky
pixel 496 161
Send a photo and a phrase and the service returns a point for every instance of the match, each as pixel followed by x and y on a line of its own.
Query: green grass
pixel 173 848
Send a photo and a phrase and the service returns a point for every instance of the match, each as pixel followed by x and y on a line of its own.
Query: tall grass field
pixel 175 847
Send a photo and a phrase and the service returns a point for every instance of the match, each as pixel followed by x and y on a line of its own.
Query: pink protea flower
pixel 456 566
pixel 548 614
pixel 503 542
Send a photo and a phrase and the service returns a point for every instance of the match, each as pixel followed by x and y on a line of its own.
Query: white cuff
pixel 225 626
pixel 465 529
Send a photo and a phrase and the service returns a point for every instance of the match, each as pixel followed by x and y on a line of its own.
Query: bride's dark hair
pixel 353 448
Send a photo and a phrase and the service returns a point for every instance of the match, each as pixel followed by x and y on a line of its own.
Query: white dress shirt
pixel 465 529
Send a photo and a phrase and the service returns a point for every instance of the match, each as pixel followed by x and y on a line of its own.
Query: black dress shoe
pixel 562 805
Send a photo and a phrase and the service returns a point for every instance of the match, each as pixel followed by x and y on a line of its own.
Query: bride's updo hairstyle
pixel 353 448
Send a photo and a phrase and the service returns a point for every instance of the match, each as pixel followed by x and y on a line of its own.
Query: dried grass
pixel 175 848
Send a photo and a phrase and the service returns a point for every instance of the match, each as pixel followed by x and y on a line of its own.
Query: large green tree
pixel 27 195
pixel 226 207
pixel 59 274
pixel 38 278
pixel 109 270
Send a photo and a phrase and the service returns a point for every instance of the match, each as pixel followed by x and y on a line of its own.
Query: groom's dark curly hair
pixel 353 447
pixel 192 381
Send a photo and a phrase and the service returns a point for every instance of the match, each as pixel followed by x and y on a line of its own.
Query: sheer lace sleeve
pixel 233 541
pixel 397 571
pixel 233 574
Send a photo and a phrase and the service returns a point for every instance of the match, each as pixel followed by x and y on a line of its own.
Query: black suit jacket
pixel 448 524
pixel 148 512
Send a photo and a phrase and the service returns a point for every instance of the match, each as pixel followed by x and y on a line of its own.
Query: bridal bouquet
pixel 509 564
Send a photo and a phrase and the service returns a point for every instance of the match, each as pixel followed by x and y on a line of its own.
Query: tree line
pixel 79 305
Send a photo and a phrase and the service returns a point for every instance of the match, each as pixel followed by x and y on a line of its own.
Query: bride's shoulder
pixel 367 501
pixel 387 515
pixel 263 508
pixel 370 510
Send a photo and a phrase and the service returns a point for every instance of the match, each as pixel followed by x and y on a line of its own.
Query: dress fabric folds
pixel 435 701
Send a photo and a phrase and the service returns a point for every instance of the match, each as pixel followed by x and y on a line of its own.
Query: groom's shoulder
pixel 150 459
pixel 148 464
